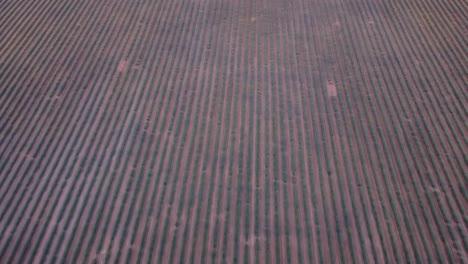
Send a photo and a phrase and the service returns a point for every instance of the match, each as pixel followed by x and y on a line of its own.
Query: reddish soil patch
pixel 123 65
pixel 331 89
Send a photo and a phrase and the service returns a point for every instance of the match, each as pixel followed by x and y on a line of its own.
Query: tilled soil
pixel 203 131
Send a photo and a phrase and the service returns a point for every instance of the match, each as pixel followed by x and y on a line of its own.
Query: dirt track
pixel 202 131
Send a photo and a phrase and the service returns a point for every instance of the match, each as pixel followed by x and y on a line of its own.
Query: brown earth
pixel 309 131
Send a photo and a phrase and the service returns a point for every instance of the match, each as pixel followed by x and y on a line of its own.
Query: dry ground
pixel 216 131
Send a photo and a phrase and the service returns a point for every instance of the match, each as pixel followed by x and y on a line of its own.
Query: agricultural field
pixel 234 131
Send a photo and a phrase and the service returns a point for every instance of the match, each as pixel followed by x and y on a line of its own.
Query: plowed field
pixel 234 131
